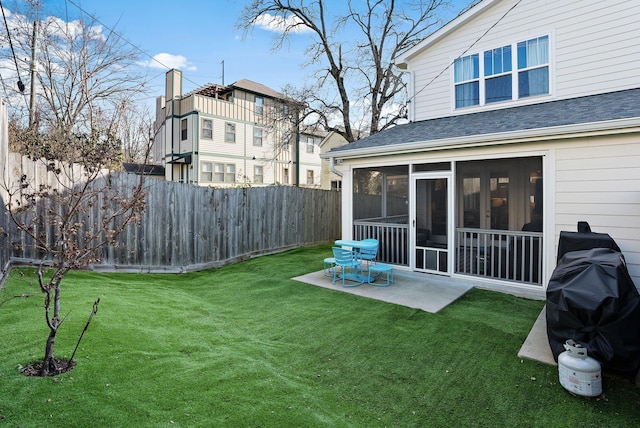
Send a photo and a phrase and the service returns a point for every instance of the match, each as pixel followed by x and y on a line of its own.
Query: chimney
pixel 173 89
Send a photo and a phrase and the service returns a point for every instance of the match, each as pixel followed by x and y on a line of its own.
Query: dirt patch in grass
pixel 35 368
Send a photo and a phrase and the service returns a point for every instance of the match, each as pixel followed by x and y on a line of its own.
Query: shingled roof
pixel 589 109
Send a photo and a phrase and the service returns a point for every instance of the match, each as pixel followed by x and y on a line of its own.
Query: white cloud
pixel 167 60
pixel 279 24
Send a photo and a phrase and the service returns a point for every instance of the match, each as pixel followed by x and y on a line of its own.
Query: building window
pixel 467 80
pixel 493 72
pixel 310 176
pixel 285 176
pixel 258 174
pixel 497 72
pixel 257 137
pixel 230 132
pixel 336 184
pixel 533 67
pixel 259 107
pixel 286 144
pixel 183 129
pixel 207 129
pixel 309 144
pixel 224 173
pixel 206 172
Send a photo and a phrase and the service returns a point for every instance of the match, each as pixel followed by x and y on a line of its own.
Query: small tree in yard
pixel 71 209
pixel 68 221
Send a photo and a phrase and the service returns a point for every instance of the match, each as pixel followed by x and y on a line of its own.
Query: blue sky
pixel 196 36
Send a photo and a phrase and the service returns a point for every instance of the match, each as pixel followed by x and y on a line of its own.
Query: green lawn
pixel 246 346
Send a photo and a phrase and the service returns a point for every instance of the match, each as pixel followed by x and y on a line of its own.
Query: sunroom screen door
pixel 431 225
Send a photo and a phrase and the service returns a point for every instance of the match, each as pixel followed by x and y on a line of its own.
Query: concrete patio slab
pixel 427 292
pixel 536 346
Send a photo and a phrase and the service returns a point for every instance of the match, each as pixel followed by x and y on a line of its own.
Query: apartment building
pixel 243 134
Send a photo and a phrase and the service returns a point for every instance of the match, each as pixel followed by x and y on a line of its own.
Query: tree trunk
pixel 49 365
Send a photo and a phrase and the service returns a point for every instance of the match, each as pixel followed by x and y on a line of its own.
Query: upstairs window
pixel 309 144
pixel 497 72
pixel 510 72
pixel 259 107
pixel 467 80
pixel 230 132
pixel 533 67
pixel 207 129
pixel 257 137
pixel 183 129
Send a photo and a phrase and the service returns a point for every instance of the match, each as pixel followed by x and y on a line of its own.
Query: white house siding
pixel 598 181
pixel 588 54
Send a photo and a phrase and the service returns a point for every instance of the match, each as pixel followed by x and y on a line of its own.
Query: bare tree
pixel 70 210
pixel 68 220
pixel 134 130
pixel 357 81
pixel 84 74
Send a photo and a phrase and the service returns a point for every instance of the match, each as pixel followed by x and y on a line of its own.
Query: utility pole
pixel 32 95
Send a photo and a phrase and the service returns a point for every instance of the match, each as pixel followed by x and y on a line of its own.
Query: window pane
pixel 207 128
pixel 533 82
pixel 466 68
pixel 230 174
pixel 498 88
pixel 183 129
pixel 471 201
pixel 230 132
pixel 257 137
pixel 533 52
pixel 467 94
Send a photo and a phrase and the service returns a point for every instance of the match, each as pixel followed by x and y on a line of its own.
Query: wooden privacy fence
pixel 186 227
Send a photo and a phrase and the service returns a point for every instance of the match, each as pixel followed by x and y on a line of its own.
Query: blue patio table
pixel 357 246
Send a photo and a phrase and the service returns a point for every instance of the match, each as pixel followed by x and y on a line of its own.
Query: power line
pixel 464 52
pixel 154 59
pixel 13 52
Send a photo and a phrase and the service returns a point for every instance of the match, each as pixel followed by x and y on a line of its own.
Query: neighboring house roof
pixel 256 88
pixel 146 169
pixel 575 111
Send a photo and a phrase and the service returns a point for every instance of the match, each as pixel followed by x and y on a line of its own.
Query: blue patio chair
pixel 368 252
pixel 348 264
pixel 329 266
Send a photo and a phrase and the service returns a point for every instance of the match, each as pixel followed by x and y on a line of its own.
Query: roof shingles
pixel 594 108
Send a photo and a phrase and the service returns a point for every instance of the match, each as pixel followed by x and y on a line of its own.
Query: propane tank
pixel 579 373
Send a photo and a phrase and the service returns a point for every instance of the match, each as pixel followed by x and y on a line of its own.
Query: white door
pixel 432 231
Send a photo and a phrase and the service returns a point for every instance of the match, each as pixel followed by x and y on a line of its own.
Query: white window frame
pixel 207 128
pixel 514 72
pixel 310 177
pixel 224 172
pixel 310 144
pixel 259 105
pixel 229 132
pixel 184 129
pixel 258 174
pixel 206 172
pixel 257 136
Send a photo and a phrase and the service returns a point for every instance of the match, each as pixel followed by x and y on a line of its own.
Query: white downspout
pixel 332 166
